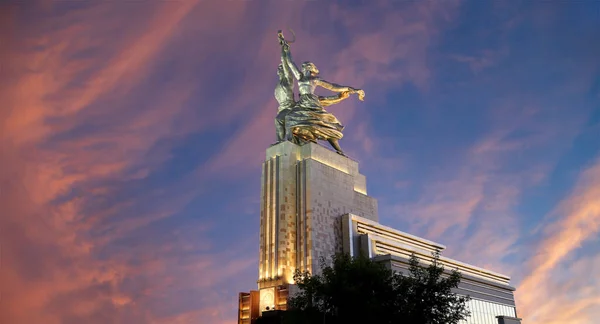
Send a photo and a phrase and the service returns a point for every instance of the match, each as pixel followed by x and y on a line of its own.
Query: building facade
pixel 490 292
pixel 314 204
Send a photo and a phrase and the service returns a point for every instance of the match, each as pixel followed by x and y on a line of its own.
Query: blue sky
pixel 133 134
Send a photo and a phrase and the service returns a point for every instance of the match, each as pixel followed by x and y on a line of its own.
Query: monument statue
pixel 306 120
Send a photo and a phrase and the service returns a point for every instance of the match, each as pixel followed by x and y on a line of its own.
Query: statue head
pixel 309 67
pixel 280 71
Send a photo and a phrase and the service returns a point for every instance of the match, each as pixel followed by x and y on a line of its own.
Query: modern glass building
pixel 486 312
pixel 492 297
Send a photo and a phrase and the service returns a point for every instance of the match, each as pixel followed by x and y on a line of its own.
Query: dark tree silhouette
pixel 359 290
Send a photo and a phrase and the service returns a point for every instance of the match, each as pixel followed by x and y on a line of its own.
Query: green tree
pixel 358 290
pixel 429 299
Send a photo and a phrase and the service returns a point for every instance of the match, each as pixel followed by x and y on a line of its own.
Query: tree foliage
pixel 359 290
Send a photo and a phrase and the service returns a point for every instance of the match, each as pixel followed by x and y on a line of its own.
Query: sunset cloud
pixel 72 140
pixel 576 221
pixel 131 137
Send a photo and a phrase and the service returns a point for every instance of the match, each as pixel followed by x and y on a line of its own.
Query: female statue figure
pixel 308 120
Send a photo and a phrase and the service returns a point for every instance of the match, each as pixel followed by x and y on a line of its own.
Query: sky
pixel 132 135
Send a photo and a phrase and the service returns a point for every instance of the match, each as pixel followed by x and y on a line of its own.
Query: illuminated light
pixel 391 241
pixel 366 226
pixel 289 277
pixel 336 166
pixel 361 191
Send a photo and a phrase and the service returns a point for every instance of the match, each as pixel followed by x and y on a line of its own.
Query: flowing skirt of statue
pixel 309 121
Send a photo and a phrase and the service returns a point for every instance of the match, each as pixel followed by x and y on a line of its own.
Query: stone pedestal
pixel 305 191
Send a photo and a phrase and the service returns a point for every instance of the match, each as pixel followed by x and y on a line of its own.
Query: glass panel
pixel 482 312
pixel 485 312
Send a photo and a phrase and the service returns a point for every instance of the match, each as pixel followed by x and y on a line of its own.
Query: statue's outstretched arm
pixel 333 87
pixel 338 88
pixel 286 56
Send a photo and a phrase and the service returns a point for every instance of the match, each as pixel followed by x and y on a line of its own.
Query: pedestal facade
pixel 305 191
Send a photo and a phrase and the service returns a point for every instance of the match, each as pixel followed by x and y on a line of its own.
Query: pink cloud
pixel 75 124
pixel 470 200
pixel 82 126
pixel 577 220
pixel 56 164
pixel 484 60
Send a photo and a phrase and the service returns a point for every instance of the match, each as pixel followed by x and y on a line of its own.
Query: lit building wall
pixel 248 307
pixel 304 190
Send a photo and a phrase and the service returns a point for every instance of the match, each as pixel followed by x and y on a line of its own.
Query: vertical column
pixel 305 219
pixel 302 231
pixel 274 207
pixel 268 227
pixel 300 219
pixel 271 267
pixel 285 198
pixel 277 211
pixel 263 225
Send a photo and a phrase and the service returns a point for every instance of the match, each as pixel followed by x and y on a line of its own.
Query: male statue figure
pixel 284 94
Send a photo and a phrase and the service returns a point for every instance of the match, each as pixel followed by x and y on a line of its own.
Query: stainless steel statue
pixel 305 120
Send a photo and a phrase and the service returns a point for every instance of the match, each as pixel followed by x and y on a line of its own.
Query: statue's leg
pixel 279 129
pixel 280 125
pixel 289 135
pixel 336 145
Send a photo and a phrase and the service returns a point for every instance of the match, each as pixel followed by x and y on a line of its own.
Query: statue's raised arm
pixel 286 57
pixel 290 62
pixel 287 73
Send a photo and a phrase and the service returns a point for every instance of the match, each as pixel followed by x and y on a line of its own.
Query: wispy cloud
pixel 576 221
pixel 73 140
pixel 123 126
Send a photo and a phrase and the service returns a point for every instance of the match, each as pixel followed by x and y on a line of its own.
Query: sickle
pixel 280 33
pixel 291 31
